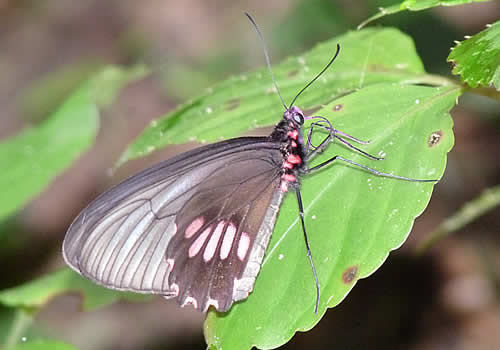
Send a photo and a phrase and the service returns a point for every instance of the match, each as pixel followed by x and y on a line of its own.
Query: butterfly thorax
pixel 289 133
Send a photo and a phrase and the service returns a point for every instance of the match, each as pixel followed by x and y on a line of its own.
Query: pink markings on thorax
pixel 211 247
pixel 243 246
pixel 294 134
pixel 194 226
pixel 294 144
pixel 288 165
pixel 198 243
pixel 294 159
pixel 227 242
pixel 289 177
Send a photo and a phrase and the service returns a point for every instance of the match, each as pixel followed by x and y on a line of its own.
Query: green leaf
pixel 38 153
pixel 477 59
pixel 354 218
pixel 43 344
pixel 35 294
pixel 414 5
pixel 245 102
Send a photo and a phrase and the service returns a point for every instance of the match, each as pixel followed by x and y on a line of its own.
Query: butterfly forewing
pixel 195 226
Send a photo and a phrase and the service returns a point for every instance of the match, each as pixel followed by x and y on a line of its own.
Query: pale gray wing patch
pixel 126 249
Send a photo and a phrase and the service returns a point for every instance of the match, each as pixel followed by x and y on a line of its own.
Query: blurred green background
pixel 447 299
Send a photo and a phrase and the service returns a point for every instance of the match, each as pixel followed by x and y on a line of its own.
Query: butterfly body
pixel 194 227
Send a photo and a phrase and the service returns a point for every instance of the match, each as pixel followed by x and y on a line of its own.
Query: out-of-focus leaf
pixel 34 157
pixel 43 345
pixel 37 293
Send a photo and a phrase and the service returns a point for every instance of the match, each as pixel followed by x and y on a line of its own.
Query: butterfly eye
pixel 298 118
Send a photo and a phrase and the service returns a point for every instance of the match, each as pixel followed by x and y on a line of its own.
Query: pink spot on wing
pixel 192 301
pixel 243 246
pixel 194 226
pixel 284 186
pixel 174 289
pixel 227 242
pixel 212 302
pixel 294 159
pixel 170 263
pixel 198 243
pixel 288 165
pixel 294 144
pixel 288 177
pixel 211 247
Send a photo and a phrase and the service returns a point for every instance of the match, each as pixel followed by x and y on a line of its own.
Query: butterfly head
pixel 294 115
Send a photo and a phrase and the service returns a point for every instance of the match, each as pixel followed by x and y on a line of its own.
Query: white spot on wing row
pixel 211 247
pixel 214 237
pixel 243 246
pixel 227 242
pixel 194 226
pixel 199 242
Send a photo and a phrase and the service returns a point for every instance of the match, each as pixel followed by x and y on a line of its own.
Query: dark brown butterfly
pixel 197 226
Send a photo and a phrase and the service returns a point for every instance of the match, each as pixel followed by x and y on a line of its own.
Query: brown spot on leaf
pixel 232 104
pixel 338 107
pixel 350 274
pixel 293 73
pixel 435 138
pixel 312 110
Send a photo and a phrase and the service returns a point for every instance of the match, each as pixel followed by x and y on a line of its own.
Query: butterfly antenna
pixel 268 60
pixel 317 76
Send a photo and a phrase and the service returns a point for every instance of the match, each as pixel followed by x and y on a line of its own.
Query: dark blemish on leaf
pixel 349 274
pixel 293 73
pixel 338 107
pixel 435 138
pixel 453 64
pixel 311 110
pixel 232 104
pixel 377 68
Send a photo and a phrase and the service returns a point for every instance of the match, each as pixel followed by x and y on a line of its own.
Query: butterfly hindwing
pixel 211 250
pixel 195 226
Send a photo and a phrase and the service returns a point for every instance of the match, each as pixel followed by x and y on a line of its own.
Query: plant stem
pixel 487 201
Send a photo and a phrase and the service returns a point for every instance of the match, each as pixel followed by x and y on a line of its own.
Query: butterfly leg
pixel 371 170
pixel 309 255
pixel 334 134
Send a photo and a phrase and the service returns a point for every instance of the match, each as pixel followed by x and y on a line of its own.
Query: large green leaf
pixel 37 293
pixel 246 102
pixel 477 59
pixel 414 5
pixel 354 218
pixel 31 159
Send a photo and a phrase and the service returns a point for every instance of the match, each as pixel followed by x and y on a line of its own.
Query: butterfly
pixel 196 226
